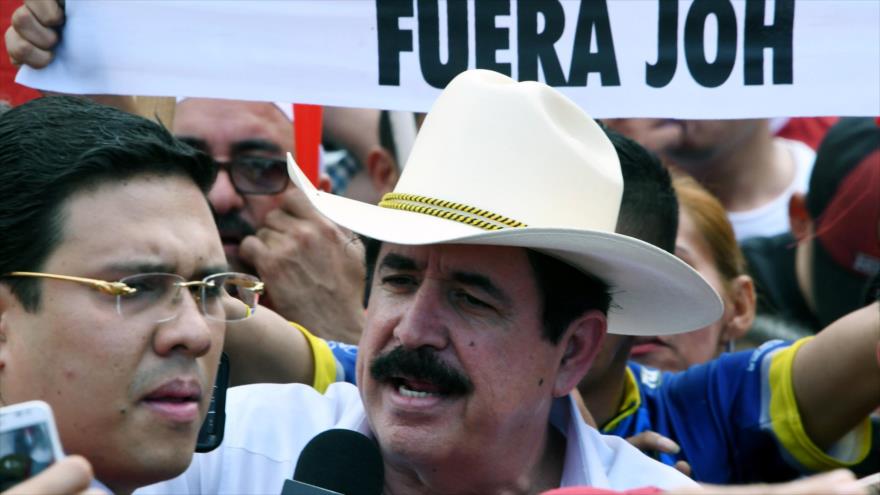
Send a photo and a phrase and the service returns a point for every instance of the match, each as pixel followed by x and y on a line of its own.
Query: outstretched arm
pixel 836 376
pixel 266 348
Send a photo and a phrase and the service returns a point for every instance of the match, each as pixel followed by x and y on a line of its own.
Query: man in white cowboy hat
pixel 489 299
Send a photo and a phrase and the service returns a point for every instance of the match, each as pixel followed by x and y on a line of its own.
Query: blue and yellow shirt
pixel 735 418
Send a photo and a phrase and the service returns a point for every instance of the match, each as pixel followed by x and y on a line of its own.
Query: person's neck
pixel 749 174
pixel 602 397
pixel 465 476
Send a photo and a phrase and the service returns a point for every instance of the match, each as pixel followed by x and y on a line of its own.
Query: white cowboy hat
pixel 498 162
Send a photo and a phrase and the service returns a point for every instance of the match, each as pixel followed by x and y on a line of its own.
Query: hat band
pixel 448 210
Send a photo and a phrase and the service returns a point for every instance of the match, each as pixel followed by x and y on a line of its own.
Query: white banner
pixel 616 58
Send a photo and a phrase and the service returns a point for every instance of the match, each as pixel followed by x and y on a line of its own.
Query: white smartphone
pixel 28 441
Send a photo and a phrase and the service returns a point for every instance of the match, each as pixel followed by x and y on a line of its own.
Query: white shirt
pixel 772 218
pixel 268 425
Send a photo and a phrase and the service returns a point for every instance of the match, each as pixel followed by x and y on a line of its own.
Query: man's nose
pixel 223 196
pixel 189 332
pixel 424 322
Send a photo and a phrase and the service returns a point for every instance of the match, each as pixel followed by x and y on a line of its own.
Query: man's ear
pixel 742 294
pixel 382 169
pixel 581 342
pixel 799 217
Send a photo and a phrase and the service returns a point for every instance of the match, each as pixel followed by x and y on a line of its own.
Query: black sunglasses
pixel 257 174
pixel 250 174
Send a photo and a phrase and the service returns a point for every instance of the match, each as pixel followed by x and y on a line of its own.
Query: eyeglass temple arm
pixel 111 288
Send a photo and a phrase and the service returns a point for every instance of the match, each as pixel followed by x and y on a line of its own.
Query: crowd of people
pixel 659 306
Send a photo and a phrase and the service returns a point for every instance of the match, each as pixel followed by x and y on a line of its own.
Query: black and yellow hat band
pixel 448 210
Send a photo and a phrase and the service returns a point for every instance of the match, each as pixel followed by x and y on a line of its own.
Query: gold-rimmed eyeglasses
pixel 227 296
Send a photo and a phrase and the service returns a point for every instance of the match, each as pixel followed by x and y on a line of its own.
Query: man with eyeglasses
pixel 115 293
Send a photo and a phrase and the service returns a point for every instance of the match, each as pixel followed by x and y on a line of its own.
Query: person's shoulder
pixel 627 467
pixel 279 401
pixel 267 426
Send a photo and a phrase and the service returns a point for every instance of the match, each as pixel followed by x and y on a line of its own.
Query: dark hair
pixel 649 208
pixel 53 147
pixel 566 292
pixel 386 136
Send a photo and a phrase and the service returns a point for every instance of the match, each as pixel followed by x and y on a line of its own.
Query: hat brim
pixel 653 292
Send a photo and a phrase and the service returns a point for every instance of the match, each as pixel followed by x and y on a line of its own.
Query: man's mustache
pixel 231 225
pixel 420 364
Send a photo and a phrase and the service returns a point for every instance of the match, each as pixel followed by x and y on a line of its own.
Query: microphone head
pixel 344 461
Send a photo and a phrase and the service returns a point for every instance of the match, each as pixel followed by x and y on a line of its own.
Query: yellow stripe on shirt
pixel 789 428
pixel 325 363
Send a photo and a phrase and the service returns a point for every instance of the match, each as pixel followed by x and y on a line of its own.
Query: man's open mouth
pixel 419 373
pixel 417 388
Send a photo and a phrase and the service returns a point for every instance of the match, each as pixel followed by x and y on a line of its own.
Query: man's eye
pixel 145 289
pixel 471 301
pixel 214 289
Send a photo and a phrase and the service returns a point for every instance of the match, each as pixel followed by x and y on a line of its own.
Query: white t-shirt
pixel 772 218
pixel 268 425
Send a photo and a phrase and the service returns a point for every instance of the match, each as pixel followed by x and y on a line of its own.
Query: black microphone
pixel 337 462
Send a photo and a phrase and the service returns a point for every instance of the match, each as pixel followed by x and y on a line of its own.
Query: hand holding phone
pixel 28 442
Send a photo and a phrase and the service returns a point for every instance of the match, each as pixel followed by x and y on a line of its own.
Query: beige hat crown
pixel 498 162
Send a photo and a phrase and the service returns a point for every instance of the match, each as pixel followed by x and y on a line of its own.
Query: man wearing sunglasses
pixel 115 293
pixel 313 269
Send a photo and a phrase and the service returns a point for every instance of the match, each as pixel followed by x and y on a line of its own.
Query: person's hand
pixel 838 482
pixel 32 33
pixel 73 474
pixel 313 270
pixel 650 441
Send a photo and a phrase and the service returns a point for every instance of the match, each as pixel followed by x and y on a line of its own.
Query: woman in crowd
pixel 706 242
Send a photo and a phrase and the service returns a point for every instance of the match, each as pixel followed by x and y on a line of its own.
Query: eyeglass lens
pixel 223 297
pixel 258 175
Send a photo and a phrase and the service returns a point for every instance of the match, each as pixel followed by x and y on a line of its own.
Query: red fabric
pixel 307 136
pixel 809 130
pixel 856 204
pixel 588 490
pixel 12 93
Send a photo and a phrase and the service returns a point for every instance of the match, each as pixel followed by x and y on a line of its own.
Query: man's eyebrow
pixel 482 283
pixel 398 262
pixel 246 145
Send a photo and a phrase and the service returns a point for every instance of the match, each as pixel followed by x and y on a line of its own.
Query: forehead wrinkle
pixel 224 122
